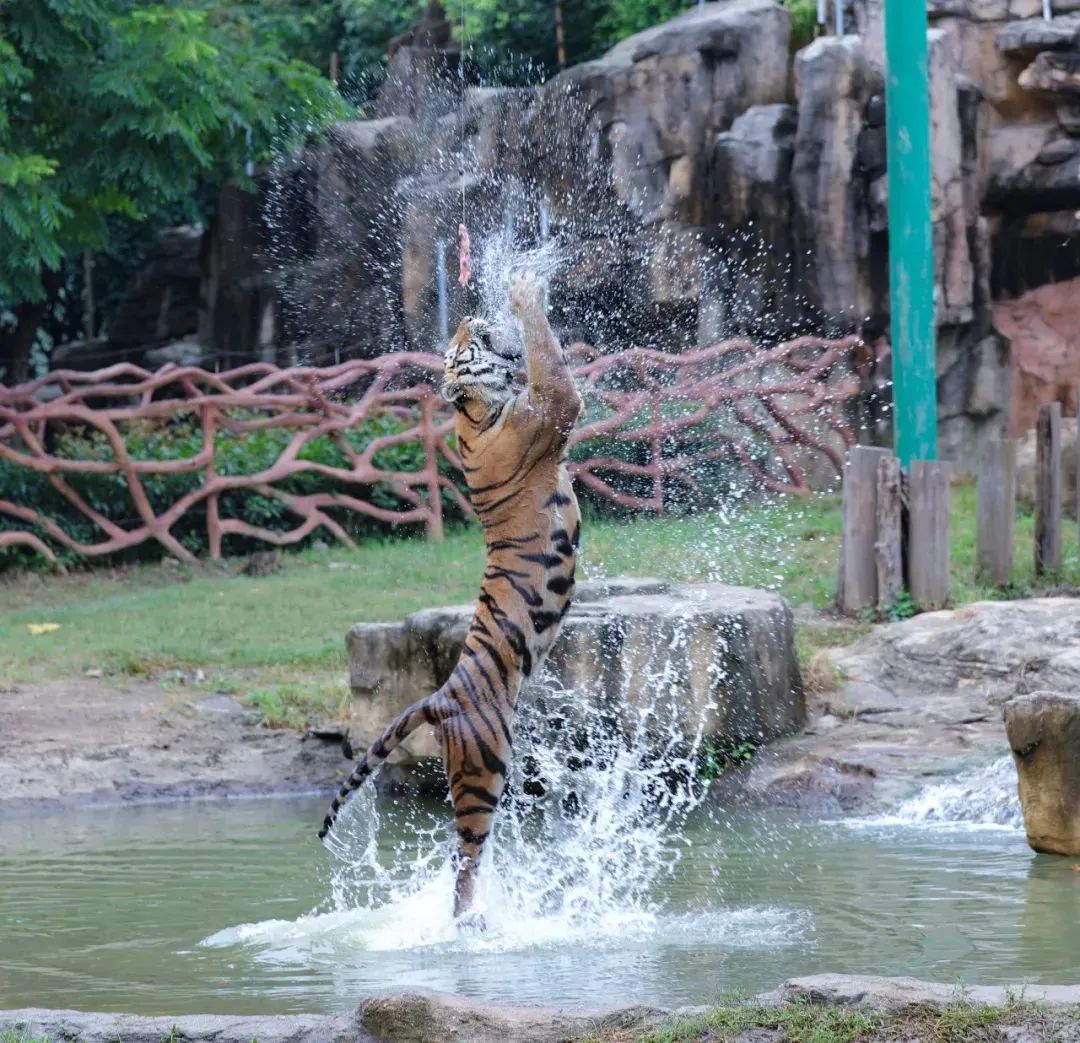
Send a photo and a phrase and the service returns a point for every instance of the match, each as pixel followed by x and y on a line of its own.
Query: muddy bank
pixel 998 1012
pixel 95 741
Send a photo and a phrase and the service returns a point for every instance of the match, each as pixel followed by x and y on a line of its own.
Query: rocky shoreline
pixel 916 701
pixel 1025 1013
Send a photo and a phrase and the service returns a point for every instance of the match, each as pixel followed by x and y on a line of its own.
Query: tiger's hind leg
pixel 476 769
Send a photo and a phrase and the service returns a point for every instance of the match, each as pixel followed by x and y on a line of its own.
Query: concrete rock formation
pixel 1044 734
pixel 1043 326
pixel 702 181
pixel 721 658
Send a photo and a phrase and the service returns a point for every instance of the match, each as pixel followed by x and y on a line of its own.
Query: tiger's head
pixel 478 367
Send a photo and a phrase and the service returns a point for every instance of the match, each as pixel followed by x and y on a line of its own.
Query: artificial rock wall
pixel 703 179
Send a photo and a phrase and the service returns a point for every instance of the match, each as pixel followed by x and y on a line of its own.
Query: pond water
pixel 234 907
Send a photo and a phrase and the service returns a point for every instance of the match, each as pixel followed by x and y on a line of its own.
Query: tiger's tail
pixel 430 710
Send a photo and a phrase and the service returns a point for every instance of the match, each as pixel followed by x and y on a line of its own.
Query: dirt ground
pixel 97 741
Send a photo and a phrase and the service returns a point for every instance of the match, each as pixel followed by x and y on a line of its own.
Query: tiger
pixel 513 419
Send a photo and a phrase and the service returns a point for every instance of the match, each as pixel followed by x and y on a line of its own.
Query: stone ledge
pixel 729 662
pixel 441 1018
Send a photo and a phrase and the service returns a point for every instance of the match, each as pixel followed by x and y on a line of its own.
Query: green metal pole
pixel 911 244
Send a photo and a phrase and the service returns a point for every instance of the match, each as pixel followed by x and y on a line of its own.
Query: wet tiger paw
pixel 526 293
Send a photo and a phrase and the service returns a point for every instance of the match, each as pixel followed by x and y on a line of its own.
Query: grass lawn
pixel 960 1022
pixel 279 638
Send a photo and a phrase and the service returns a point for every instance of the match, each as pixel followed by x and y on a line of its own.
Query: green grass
pixel 804 1022
pixel 800 1022
pixel 278 639
pixel 11 1036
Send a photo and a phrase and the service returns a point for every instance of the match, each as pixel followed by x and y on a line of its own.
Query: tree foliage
pixel 623 18
pixel 117 108
pixel 507 40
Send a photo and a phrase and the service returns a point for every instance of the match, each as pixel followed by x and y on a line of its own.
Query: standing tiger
pixel 512 435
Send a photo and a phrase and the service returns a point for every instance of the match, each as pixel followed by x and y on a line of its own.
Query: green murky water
pixel 108 909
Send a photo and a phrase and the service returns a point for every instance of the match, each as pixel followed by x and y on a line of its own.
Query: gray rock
pixel 186 352
pixel 1032 35
pixel 439 1018
pixel 999 648
pixel 88 355
pixel 985 10
pixel 727 656
pixel 1058 151
pixel 1058 72
pixel 752 167
pixel 162 301
pixel 408 1018
pixel 1044 734
pixel 869 992
pixel 834 83
pixel 1068 114
pixel 194 1028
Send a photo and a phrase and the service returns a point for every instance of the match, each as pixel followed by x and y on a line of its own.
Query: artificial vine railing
pixel 652 419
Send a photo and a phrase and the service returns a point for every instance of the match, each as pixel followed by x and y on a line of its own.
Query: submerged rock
pixel 1044 734
pixel 710 657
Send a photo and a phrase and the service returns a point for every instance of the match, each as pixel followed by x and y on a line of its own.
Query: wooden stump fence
pixel 895 530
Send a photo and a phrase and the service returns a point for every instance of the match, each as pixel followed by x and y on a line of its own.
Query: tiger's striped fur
pixel 512 440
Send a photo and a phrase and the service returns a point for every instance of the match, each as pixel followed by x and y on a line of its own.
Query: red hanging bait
pixel 464 255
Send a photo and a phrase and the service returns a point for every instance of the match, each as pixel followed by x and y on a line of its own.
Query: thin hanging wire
pixel 461 75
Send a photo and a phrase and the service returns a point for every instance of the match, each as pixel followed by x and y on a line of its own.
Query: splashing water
pixel 983 796
pixel 592 825
pixel 979 798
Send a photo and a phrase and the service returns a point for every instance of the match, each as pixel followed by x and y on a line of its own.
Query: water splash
pixel 983 796
pixel 979 798
pixel 592 827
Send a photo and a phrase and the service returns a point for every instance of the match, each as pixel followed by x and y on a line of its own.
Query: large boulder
pixel 1042 326
pixel 1044 734
pixel 997 648
pixel 710 657
pixel 834 83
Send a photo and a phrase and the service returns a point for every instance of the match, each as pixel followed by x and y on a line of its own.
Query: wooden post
pixel 928 533
pixel 1048 490
pixel 858 565
pixel 997 510
pixel 560 36
pixel 888 547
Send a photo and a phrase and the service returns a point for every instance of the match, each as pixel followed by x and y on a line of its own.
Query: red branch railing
pixel 783 402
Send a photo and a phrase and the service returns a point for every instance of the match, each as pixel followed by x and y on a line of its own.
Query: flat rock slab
pixel 408 1018
pixel 870 992
pixel 920 699
pixel 705 656
pixel 1000 646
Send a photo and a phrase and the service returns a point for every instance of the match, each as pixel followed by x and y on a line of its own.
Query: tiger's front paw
pixel 526 294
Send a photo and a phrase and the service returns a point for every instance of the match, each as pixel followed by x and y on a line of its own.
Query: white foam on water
pixel 982 798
